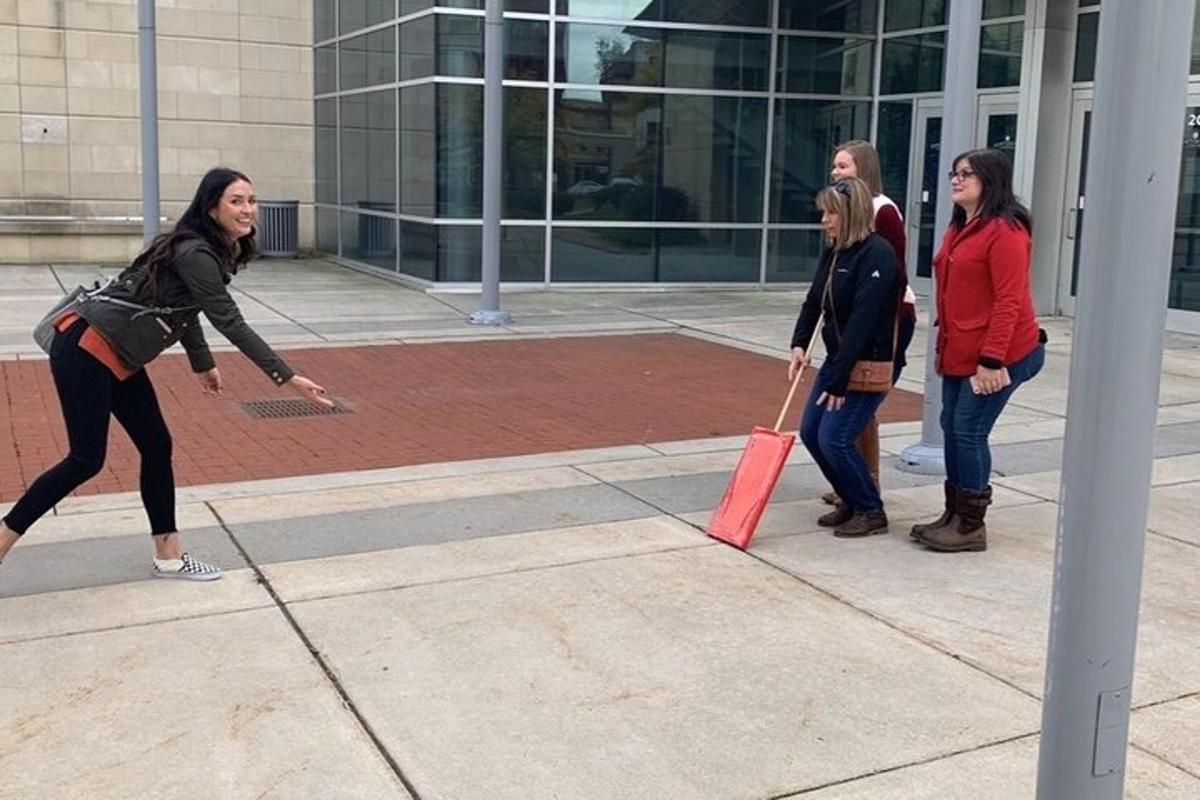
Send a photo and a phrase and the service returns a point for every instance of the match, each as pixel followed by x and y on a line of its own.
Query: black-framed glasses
pixel 961 174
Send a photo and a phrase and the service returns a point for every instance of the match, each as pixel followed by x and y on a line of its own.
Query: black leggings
pixel 89 392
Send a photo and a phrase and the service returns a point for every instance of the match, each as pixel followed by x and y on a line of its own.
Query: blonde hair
pixel 850 199
pixel 866 163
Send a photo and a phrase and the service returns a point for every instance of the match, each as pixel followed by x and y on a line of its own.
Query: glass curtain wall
pixel 1184 290
pixel 645 140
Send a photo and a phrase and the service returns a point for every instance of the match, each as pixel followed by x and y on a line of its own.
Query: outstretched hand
pixel 309 390
pixel 211 381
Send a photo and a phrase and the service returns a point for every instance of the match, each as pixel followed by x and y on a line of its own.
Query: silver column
pixel 489 312
pixel 1133 182
pixel 148 90
pixel 958 135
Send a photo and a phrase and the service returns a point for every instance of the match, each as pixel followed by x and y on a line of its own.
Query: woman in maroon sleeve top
pixel 859 159
pixel 988 340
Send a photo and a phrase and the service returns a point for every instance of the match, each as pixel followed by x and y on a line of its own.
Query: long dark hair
pixel 994 170
pixel 196 223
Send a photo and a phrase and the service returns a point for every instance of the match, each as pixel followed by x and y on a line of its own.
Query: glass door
pixel 924 183
pixel 1183 293
pixel 997 127
pixel 1076 201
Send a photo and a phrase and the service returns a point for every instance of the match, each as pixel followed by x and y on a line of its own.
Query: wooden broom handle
pixel 787 404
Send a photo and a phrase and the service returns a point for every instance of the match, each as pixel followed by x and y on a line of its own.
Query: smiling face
pixel 966 189
pixel 843 166
pixel 237 210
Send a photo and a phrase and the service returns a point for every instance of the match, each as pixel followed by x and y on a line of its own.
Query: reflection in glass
pixel 460 46
pixel 708 256
pixel 749 13
pixel 324 21
pixel 1000 55
pixel 847 16
pixel 327 230
pixel 652 158
pixel 325 125
pixel 418 250
pixel 524 153
pixel 913 64
pixel 418 48
pixel 993 9
pixel 792 255
pixel 325 69
pixel 459 253
pixel 459 151
pixel 1184 291
pixel 608 55
pixel 627 56
pixel 602 255
pixel 713 159
pixel 369 239
pixel 522 254
pixel 418 151
pixel 355 14
pixel 606 154
pixel 412 6
pixel 526 50
pixel 1002 133
pixel 704 60
pixel 825 66
pixel 903 15
pixel 893 141
pixel 369 60
pixel 806 132
pixel 368 172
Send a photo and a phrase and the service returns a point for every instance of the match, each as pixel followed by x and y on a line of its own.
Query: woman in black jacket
pixel 100 349
pixel 860 288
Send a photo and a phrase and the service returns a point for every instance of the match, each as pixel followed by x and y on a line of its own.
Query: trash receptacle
pixel 278 228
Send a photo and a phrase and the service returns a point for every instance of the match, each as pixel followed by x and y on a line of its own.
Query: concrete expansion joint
pixel 318 659
pixel 557 565
pixel 914 636
pixel 922 762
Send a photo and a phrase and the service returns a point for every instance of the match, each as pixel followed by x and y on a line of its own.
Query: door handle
pixel 1072 217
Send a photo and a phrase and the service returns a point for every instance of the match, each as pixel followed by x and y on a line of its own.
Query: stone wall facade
pixel 235 89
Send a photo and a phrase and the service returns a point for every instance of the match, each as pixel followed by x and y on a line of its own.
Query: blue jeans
pixel 968 419
pixel 830 435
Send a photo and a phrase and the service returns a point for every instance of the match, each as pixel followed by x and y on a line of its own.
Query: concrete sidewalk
pixel 557 625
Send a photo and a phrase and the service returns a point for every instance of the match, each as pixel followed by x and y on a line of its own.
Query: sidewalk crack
pixel 320 661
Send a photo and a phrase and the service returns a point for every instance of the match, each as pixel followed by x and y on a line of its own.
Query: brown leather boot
pixel 949 515
pixel 841 513
pixel 863 523
pixel 970 534
pixel 830 498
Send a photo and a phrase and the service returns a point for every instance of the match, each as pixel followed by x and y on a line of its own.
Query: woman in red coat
pixel 988 340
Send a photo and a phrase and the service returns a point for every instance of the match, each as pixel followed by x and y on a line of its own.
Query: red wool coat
pixel 984 304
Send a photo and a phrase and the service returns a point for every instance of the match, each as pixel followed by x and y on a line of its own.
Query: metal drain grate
pixel 289 409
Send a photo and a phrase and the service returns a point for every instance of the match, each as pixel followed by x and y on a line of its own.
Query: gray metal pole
pixel 489 312
pixel 148 89
pixel 958 135
pixel 1133 181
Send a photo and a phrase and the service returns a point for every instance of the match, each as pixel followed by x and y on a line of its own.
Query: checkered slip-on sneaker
pixel 185 568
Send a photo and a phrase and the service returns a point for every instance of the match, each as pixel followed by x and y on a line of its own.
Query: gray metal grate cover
pixel 290 409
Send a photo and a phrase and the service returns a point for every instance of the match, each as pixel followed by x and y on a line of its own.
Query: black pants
pixel 89 393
